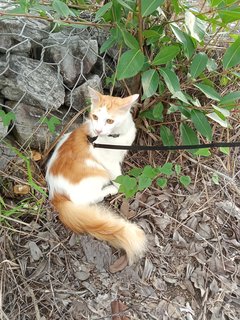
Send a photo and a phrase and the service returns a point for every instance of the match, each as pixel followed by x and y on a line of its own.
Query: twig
pixel 68 21
pixel 37 312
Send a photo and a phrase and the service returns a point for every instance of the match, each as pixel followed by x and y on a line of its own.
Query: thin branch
pixel 68 21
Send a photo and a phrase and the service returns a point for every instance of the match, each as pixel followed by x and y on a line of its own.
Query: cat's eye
pixel 110 121
pixel 94 117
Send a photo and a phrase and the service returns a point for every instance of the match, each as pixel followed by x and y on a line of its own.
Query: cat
pixel 79 175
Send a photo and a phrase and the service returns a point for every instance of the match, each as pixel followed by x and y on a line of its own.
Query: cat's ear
pixel 94 95
pixel 129 101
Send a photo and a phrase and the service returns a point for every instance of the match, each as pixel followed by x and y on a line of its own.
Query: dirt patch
pixel 190 271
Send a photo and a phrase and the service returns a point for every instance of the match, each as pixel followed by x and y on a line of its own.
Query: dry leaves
pixel 21 189
pixel 119 264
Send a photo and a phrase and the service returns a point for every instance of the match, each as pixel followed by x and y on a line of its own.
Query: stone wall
pixel 45 72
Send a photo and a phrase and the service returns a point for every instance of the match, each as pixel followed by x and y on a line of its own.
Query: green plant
pixel 168 44
pixel 24 206
pixel 30 179
pixel 51 122
pixel 7 117
pixel 138 179
pixel 178 69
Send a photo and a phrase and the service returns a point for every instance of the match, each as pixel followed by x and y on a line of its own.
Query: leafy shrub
pixel 169 44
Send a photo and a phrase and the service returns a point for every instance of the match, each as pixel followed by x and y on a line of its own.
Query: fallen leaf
pixel 35 155
pixel 21 189
pixel 179 240
pixel 125 210
pixel 203 231
pixel 214 286
pixel 148 270
pixel 230 208
pixel 198 278
pixel 119 264
pixel 35 251
pixel 117 308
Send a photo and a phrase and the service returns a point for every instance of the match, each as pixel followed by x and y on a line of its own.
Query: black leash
pixel 166 148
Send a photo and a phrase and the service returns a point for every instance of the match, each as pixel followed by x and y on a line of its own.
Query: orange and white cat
pixel 80 175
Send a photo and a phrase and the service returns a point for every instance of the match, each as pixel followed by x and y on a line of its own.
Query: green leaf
pixel 108 44
pixel 170 79
pixel 135 172
pixel 7 117
pixel 161 182
pixel 166 169
pixel 215 178
pixel 212 65
pixel 167 136
pixel 61 8
pixel 128 185
pixel 130 40
pixel 185 180
pixel 215 3
pixel 188 136
pixel 114 38
pixel 205 152
pixel 144 182
pixel 2 203
pixel 103 10
pixel 149 7
pixel 229 15
pixel 165 55
pixel 232 55
pixel 225 150
pixel 201 123
pixel 149 172
pixel 150 80
pixel 151 34
pixel 154 113
pixel 131 62
pixel 176 7
pixel 209 92
pixel 116 11
pixel 178 169
pixel 219 118
pixel 51 123
pixel 181 96
pixel 124 4
pixel 198 64
pixel 185 39
pixel 230 98
pixel 196 26
pixel 224 112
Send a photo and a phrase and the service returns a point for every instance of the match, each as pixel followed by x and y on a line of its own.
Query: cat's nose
pixel 98 131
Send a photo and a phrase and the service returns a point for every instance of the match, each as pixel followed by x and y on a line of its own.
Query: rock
pixel 32 82
pixel 75 57
pixel 29 130
pixel 78 96
pixel 6 155
pixel 17 33
pixel 3 130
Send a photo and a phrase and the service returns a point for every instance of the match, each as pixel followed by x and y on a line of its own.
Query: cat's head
pixel 108 112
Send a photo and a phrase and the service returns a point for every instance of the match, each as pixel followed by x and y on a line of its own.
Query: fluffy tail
pixel 103 224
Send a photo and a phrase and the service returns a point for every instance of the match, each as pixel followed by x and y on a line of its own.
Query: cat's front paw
pixel 110 190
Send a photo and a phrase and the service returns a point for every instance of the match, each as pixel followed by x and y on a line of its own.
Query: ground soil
pixel 190 271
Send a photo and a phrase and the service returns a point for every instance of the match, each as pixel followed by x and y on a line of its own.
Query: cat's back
pixel 71 146
pixel 72 163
